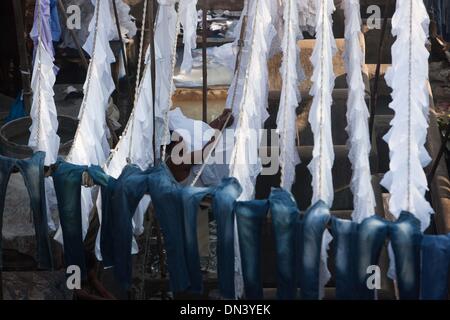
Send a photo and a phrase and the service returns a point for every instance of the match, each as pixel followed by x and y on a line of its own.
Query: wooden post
pixel 205 64
pixel 153 69
pixel 24 67
pixel 374 91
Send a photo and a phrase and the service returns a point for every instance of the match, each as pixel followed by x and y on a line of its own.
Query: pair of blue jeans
pixel 117 234
pixel 67 179
pixel 406 237
pixel 250 216
pixel 223 198
pixel 312 227
pixel 344 234
pixel 435 273
pixel 32 171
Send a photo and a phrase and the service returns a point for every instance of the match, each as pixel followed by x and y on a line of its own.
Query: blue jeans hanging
pixel 250 217
pixel 223 198
pixel 32 171
pixel 68 181
pixel 344 236
pixel 405 238
pixel 435 274
pixel 312 229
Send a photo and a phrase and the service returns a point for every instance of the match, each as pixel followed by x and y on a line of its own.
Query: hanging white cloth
pixel 357 115
pixel 249 93
pixel 307 18
pixel 135 145
pixel 90 145
pixel 320 120
pixel 126 20
pixel 408 78
pixel 290 94
pixel 166 31
pixel 189 21
pixel 44 127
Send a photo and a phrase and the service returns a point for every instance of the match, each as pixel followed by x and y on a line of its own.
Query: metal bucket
pixel 15 134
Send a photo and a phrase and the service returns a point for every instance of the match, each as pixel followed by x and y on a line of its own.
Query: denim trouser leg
pixel 435 272
pixel 314 224
pixel 223 209
pixel 250 217
pixel 284 213
pixel 33 175
pixel 371 237
pixel 67 180
pixel 167 201
pixel 191 198
pixel 128 191
pixel 107 185
pixel 224 197
pixel 32 171
pixel 405 239
pixel 344 236
pixel 6 167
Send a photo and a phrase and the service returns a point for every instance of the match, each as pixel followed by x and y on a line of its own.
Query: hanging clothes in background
pixel 357 115
pixel 44 127
pixel 127 22
pixel 55 25
pixel 440 12
pixel 90 145
pixel 307 18
pixel 408 78
pixel 292 74
pixel 166 32
pixel 323 152
pixel 188 19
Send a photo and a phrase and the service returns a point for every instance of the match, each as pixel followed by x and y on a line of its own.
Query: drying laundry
pixel 250 219
pixel 32 171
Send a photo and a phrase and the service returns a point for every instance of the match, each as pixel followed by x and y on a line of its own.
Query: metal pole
pixel 374 93
pixel 62 10
pixel 205 64
pixel 439 155
pixel 23 54
pixel 153 70
pixel 123 49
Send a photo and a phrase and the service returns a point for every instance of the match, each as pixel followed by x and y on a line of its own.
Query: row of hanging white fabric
pixel 272 25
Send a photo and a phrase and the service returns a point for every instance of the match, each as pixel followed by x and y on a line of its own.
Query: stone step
pixel 38 285
pixel 338 114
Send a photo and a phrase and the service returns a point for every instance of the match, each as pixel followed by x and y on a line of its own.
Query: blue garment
pixel 223 198
pixel 344 244
pixel 405 236
pixel 17 109
pixel 250 216
pixel 67 179
pixel 117 225
pixel 32 171
pixel 313 227
pixel 285 213
pixel 435 274
pixel 54 21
